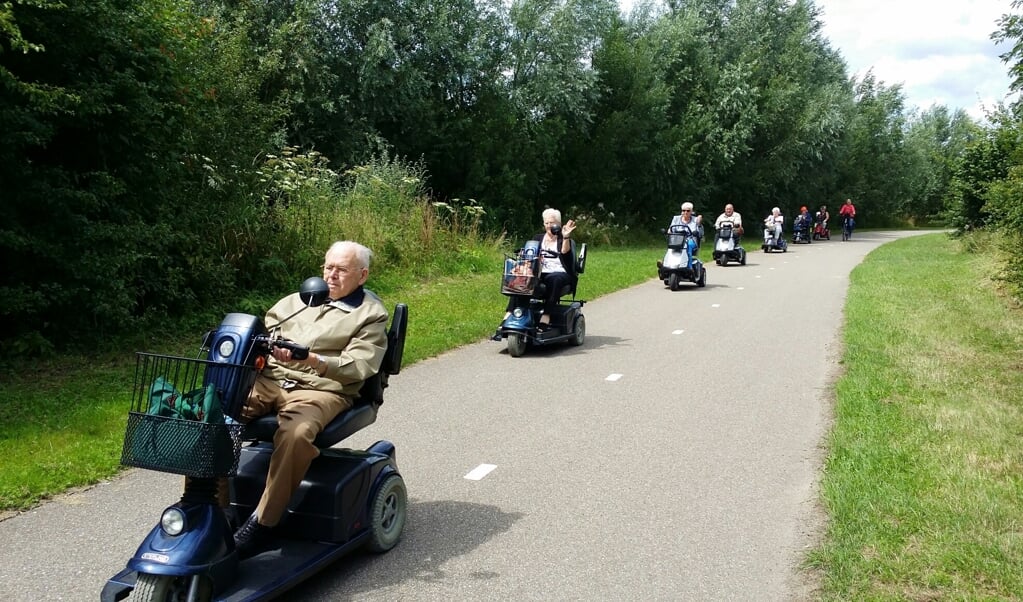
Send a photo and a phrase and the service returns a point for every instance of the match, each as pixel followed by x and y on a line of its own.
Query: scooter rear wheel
pixel 387 520
pixel 167 588
pixel 579 331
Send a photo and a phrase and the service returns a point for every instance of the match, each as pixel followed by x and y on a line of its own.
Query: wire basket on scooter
pixel 521 275
pixel 176 422
pixel 676 241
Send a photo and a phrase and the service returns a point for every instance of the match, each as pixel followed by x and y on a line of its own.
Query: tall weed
pixel 384 205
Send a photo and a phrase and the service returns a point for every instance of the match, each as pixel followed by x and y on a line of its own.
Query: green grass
pixel 922 482
pixel 62 421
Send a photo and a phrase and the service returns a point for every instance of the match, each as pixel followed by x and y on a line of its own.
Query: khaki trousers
pixel 302 414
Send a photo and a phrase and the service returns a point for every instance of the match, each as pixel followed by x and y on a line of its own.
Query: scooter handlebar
pixel 298 352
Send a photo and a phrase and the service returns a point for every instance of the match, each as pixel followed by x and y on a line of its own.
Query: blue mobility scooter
pixel 772 244
pixel 526 289
pixel 802 230
pixel 680 262
pixel 183 421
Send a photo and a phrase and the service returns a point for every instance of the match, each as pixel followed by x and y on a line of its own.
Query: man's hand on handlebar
pixel 284 350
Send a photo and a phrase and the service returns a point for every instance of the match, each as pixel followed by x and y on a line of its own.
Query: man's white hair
pixel 551 213
pixel 362 254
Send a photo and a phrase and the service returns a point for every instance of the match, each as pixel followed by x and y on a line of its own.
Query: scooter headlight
pixel 225 348
pixel 517 312
pixel 173 521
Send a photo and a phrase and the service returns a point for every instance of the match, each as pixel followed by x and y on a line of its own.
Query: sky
pixel 939 50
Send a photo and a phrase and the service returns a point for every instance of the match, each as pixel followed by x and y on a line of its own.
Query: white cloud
pixel 941 52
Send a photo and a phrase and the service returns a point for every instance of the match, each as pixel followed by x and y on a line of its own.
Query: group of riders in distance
pixel 806 228
pixel 685 234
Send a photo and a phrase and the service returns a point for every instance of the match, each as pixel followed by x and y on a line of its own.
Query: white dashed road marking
pixel 480 471
pixel 613 377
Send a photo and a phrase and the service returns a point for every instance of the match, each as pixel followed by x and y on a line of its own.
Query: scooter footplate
pixel 267 575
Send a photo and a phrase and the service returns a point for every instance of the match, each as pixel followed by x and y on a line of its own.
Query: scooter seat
pixel 343 426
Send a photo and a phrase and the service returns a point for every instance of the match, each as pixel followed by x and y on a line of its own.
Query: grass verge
pixel 62 421
pixel 922 483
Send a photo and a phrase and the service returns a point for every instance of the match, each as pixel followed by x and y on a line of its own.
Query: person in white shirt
pixel 730 216
pixel 774 222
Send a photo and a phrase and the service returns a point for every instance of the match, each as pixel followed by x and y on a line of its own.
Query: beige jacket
pixel 351 335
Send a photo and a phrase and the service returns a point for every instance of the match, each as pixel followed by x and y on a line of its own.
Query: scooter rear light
pixel 173 521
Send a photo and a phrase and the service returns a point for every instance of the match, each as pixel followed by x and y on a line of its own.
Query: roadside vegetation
pixel 922 482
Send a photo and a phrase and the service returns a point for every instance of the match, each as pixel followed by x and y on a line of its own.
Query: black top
pixel 567 261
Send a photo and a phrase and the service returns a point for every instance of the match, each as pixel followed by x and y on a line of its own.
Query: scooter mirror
pixel 314 292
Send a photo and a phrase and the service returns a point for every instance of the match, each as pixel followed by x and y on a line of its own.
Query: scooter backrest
pixel 372 390
pixel 396 340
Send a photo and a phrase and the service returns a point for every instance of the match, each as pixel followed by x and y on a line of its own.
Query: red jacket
pixel 848 209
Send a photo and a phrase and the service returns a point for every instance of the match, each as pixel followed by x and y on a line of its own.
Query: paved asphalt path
pixel 689 476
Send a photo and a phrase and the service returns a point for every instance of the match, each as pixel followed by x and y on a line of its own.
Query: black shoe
pixel 541 327
pixel 497 335
pixel 251 537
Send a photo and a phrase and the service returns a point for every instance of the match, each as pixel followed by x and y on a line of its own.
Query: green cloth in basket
pixel 183 433
pixel 201 405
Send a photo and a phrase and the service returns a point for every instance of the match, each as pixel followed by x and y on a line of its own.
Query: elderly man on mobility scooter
pixel 729 233
pixel 321 394
pixel 347 348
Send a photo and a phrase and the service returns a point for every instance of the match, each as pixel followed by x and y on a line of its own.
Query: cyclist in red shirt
pixel 848 210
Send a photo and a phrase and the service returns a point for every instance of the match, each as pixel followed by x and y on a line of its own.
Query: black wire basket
pixel 176 422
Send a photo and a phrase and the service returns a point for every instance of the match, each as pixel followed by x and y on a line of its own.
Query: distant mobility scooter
pixel 680 262
pixel 820 228
pixel 771 242
pixel 725 246
pixel 802 230
pixel 523 284
pixel 183 420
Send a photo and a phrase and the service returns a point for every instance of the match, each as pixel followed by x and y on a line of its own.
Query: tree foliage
pixel 151 134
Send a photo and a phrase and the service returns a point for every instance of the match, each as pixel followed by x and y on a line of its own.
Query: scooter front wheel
pixel 169 588
pixel 516 345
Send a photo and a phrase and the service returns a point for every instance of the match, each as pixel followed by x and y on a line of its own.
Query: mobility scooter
pixel 680 261
pixel 523 284
pixel 772 244
pixel 183 420
pixel 725 246
pixel 820 228
pixel 801 230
